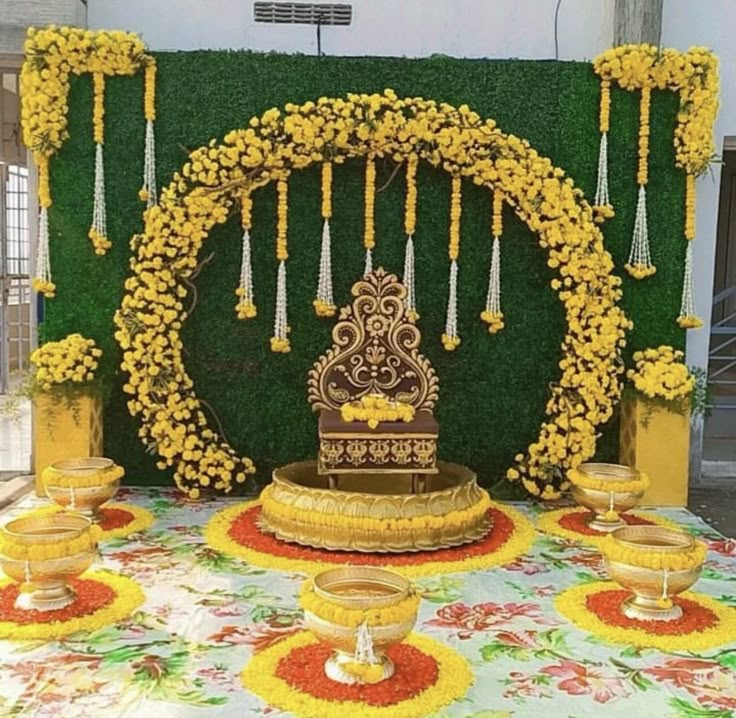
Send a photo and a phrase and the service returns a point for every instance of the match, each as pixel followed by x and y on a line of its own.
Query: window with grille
pixel 303 13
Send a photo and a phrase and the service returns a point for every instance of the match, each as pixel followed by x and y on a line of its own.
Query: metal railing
pixel 722 355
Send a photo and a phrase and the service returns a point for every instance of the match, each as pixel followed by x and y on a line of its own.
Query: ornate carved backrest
pixel 375 351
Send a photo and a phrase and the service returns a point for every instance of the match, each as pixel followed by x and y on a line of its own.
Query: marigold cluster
pixel 660 374
pixel 71 360
pixel 635 486
pixel 410 201
pixel 648 557
pixel 11 547
pixel 401 612
pixel 369 231
pixel 375 408
pixel 693 74
pixel 53 477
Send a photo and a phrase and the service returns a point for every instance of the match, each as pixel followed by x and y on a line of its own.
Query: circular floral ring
pixel 438 676
pixel 235 531
pixel 152 312
pixel 572 524
pixel 118 520
pixel 596 607
pixel 102 599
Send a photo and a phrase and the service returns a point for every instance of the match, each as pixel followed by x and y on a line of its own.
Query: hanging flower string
pixel 52 56
pixel 492 314
pixel 42 281
pixel 147 192
pixel 369 235
pixel 410 223
pixel 688 318
pixel 280 340
pixel 640 263
pixel 324 303
pixel 603 209
pixel 450 339
pixel 98 230
pixel 245 308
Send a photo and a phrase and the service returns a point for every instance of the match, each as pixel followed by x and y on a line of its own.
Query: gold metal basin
pixel 44 581
pixel 85 500
pixel 375 512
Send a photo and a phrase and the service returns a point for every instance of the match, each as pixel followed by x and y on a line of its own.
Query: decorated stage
pixel 206 616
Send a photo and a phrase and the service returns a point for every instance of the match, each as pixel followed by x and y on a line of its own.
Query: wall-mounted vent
pixel 291 13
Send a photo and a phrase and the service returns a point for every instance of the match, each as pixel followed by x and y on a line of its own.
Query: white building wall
pixel 412 28
pixel 17 15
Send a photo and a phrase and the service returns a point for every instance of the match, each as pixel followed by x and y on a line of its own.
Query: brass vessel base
pixel 335 672
pixel 598 524
pixel 51 597
pixel 646 609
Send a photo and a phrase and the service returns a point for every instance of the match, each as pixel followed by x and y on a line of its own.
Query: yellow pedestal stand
pixel 657 442
pixel 64 429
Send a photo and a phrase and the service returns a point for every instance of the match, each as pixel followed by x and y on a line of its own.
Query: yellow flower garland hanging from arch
pixel 334 129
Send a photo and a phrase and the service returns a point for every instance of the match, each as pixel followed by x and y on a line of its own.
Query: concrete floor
pixel 715 503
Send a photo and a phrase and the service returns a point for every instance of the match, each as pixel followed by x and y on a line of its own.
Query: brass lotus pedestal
pixel 652 588
pixel 376 485
pixel 359 588
pixel 59 479
pixel 607 505
pixel 44 581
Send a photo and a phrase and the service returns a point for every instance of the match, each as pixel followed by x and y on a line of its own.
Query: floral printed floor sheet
pixel 182 653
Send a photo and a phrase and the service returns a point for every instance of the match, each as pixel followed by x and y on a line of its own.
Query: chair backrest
pixel 375 351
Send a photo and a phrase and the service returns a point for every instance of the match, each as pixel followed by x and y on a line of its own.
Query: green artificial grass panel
pixel 493 387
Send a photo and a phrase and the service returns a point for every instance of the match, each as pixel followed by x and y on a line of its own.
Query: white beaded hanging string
pixel 410 208
pixel 640 260
pixel 601 191
pixel 324 303
pixel 148 192
pixel 280 340
pixel 98 230
pixel 492 313
pixel 450 338
pixel 688 318
pixel 246 308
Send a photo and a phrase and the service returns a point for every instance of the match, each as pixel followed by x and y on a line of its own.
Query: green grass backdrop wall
pixel 493 388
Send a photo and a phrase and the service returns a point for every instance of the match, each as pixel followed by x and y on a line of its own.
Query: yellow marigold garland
pixel 147 192
pixel 647 557
pixel 661 374
pixel 201 195
pixel 492 314
pixel 129 596
pixel 324 304
pixel 142 519
pixel 410 225
pixel 217 537
pixel 571 604
pixel 403 611
pixel 52 55
pixel 259 676
pixel 280 341
pixel 369 230
pixel 460 518
pixel 72 360
pixel 375 408
pixel 549 523
pixel 98 478
pixel 635 486
pixel 245 307
pixel 450 338
pixel 87 539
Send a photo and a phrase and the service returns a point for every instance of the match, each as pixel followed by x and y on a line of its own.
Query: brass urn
pixel 67 484
pixel 360 588
pixel 653 588
pixel 44 580
pixel 607 502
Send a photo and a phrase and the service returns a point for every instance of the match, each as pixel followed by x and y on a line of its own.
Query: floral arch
pixel 216 177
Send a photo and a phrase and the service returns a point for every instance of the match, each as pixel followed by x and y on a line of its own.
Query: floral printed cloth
pixel 180 656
